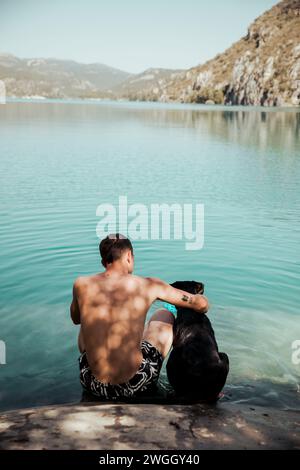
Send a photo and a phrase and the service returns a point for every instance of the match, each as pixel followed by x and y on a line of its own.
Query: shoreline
pixel 172 105
pixel 132 426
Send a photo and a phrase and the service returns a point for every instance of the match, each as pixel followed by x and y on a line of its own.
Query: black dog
pixel 195 368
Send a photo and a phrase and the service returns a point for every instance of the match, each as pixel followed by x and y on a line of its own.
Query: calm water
pixel 58 161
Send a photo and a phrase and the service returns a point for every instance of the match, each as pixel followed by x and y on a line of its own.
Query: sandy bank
pixel 149 426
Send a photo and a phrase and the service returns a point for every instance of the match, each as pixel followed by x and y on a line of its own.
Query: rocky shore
pixel 149 427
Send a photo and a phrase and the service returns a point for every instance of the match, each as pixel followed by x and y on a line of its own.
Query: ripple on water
pixel 242 165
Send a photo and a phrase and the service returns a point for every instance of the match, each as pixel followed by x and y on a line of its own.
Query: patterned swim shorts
pixel 143 381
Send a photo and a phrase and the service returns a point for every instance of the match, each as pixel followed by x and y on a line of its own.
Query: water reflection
pixel 277 129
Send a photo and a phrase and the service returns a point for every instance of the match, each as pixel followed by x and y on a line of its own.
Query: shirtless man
pixel 119 357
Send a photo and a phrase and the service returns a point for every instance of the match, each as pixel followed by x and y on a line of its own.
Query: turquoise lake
pixel 60 160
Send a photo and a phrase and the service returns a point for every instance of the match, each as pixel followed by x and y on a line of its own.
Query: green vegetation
pixel 208 94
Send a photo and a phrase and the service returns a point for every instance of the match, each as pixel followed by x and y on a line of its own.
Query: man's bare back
pixel 111 308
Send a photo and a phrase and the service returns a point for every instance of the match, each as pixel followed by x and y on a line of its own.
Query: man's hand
pixel 163 291
pixel 74 307
pixel 201 303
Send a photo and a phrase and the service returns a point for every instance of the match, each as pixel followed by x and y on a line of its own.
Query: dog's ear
pixel 194 287
pixel 199 287
pixel 176 284
pixel 188 286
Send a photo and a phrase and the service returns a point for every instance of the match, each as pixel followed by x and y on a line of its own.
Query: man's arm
pixel 178 297
pixel 74 307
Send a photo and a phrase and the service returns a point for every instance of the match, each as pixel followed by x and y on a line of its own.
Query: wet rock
pixel 149 426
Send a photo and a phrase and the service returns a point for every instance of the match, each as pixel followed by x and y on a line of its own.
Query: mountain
pixel 53 78
pixel 262 68
pixel 145 85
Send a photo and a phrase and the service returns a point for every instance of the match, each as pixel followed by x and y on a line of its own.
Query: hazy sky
pixel 129 34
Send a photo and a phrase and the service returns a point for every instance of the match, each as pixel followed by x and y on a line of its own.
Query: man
pixel 119 358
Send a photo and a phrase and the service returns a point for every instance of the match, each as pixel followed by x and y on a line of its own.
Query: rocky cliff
pixel 262 68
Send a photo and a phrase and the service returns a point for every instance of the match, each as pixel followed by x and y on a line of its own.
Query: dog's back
pixel 195 367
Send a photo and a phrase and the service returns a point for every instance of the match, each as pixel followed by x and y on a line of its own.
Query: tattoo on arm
pixel 186 298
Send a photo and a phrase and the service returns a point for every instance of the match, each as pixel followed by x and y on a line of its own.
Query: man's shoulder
pixel 138 280
pixel 149 280
pixel 81 281
pixel 153 280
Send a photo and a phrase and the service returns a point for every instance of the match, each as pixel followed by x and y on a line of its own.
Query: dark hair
pixel 113 246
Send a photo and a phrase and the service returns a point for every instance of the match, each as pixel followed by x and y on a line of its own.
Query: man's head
pixel 117 249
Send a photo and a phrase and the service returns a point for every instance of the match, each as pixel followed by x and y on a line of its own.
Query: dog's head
pixel 193 287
